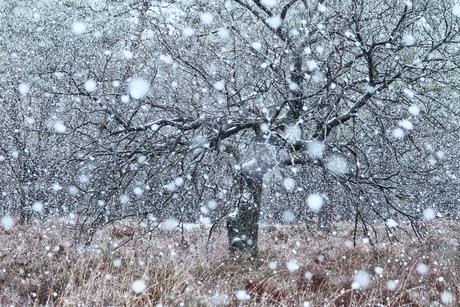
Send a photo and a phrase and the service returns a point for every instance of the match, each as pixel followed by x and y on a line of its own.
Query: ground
pixel 40 264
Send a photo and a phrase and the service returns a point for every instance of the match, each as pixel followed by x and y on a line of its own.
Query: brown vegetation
pixel 41 265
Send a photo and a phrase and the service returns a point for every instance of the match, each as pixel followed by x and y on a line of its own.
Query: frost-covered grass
pixel 39 265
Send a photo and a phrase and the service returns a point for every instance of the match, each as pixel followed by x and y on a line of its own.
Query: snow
pixel 78 27
pixel 398 133
pixel 167 59
pixel 219 85
pixel 212 204
pixel 170 223
pixel 274 22
pixel 292 266
pixel 378 270
pixel 23 88
pixel 456 10
pixel 128 54
pixel 289 184
pixel 242 295
pixel 269 3
pixel 315 149
pixel 446 297
pixel 392 223
pixel 414 110
pixel 124 98
pixel 322 8
pixel 337 165
pixel 391 285
pixel 138 88
pixel 116 83
pixel 406 124
pixel 223 33
pixel 59 127
pixel 273 265
pixel 361 280
pixel 312 65
pixel 90 85
pixel 428 214
pixel 315 202
pixel 409 93
pixel 117 263
pixel 306 304
pixel 56 187
pixel 124 199
pixel 409 40
pixel 138 191
pixel 188 31
pixel 422 268
pixel 37 207
pixel 179 181
pixel 256 45
pixel 138 286
pixel 288 217
pixel 7 222
pixel 206 18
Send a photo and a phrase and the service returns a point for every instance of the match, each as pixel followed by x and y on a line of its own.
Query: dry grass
pixel 39 265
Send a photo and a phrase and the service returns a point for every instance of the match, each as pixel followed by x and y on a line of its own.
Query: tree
pixel 221 109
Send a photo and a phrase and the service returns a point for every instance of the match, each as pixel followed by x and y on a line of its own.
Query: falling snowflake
pixel 274 22
pixel 361 280
pixel 292 266
pixel 90 85
pixel 138 286
pixel 23 88
pixel 315 202
pixel 78 27
pixel 138 88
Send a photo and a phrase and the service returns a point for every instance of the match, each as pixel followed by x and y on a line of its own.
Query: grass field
pixel 40 265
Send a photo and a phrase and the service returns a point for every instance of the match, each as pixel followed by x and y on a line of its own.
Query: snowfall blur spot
pixel 315 149
pixel 125 98
pixel 409 40
pixel 222 32
pixel 179 181
pixel 440 154
pixel 456 10
pixel 292 266
pixel 414 110
pixel 138 286
pixel 188 32
pixel 406 124
pixel 409 93
pixel 170 223
pixel 78 27
pixel 128 54
pixel 117 263
pixel 315 202
pixel 422 268
pixel 57 187
pixel 138 88
pixel 391 285
pixel 308 275
pixel 337 165
pixel 90 85
pixel 37 207
pixel 59 127
pixel 23 88
pixel 378 270
pixel 269 3
pixel 242 295
pixel 167 59
pixel 205 221
pixel 206 18
pixel 138 191
pixel 288 217
pixel 273 265
pixel 274 21
pixel 219 85
pixel 256 45
pixel 289 184
pixel 73 190
pixel 124 199
pixel 306 304
pixel 212 204
pixel 446 297
pixel 398 133
pixel 361 280
pixel 7 222
pixel 392 223
pixel 322 8
pixel 428 214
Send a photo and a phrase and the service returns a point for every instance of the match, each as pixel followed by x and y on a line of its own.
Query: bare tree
pixel 239 110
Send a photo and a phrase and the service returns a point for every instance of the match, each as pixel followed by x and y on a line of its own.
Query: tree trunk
pixel 243 222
